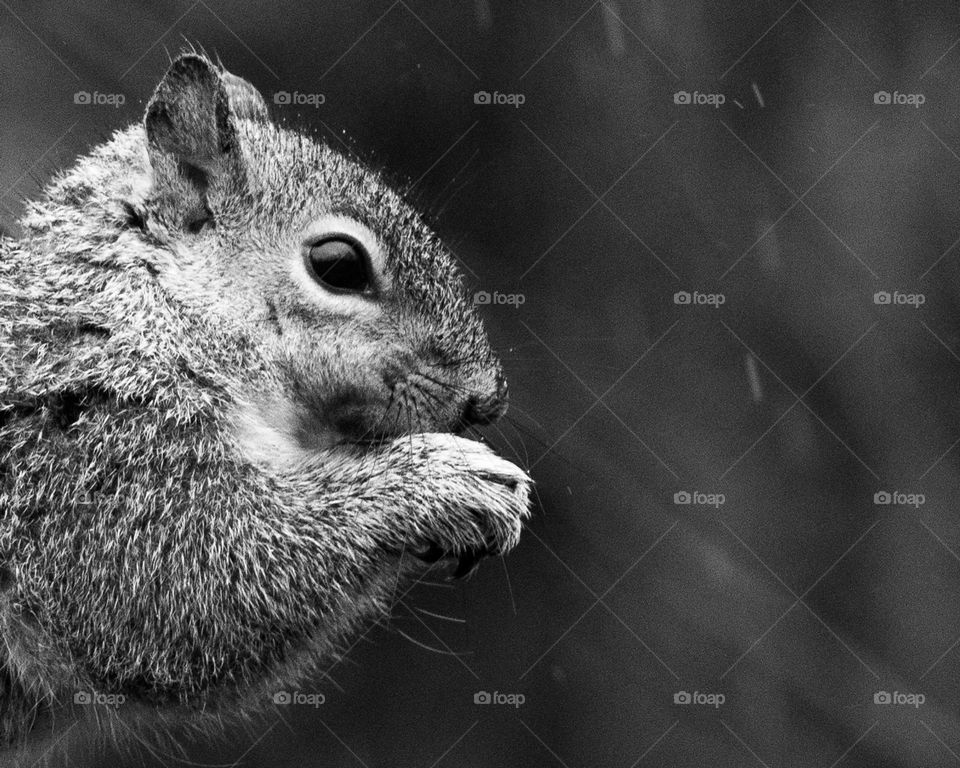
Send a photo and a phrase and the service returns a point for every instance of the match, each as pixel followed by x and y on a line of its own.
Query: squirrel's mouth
pixel 457 565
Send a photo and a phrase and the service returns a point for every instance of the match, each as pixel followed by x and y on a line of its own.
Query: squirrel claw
pixel 466 562
pixel 431 554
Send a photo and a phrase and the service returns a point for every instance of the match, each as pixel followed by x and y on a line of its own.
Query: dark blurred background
pixel 741 154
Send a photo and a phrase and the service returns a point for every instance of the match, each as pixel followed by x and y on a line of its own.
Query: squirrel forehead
pixel 299 178
pixel 296 180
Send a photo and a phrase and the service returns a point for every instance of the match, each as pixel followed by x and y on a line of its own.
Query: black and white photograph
pixel 397 384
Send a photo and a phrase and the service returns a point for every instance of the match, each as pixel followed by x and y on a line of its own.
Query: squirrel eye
pixel 340 265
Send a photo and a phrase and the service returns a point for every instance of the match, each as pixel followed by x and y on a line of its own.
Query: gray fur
pixel 207 472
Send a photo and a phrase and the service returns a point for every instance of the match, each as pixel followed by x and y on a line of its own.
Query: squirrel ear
pixel 245 100
pixel 189 115
pixel 192 134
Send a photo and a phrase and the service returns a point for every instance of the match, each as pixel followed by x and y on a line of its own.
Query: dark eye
pixel 339 264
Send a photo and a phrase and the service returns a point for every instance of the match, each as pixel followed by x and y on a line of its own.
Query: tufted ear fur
pixel 245 100
pixel 192 135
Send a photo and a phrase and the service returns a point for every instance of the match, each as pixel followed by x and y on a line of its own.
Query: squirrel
pixel 236 368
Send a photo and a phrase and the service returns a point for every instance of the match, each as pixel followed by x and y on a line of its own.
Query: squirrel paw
pixel 466 502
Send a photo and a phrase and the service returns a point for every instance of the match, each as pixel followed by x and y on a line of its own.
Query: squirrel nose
pixel 485 409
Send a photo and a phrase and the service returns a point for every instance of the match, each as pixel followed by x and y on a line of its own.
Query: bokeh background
pixel 782 198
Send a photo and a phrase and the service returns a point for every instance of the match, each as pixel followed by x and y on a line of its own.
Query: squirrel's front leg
pixel 422 491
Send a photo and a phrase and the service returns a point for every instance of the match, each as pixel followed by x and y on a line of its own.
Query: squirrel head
pixel 356 307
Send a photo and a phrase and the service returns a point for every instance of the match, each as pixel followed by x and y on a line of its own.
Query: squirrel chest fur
pixel 234 367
